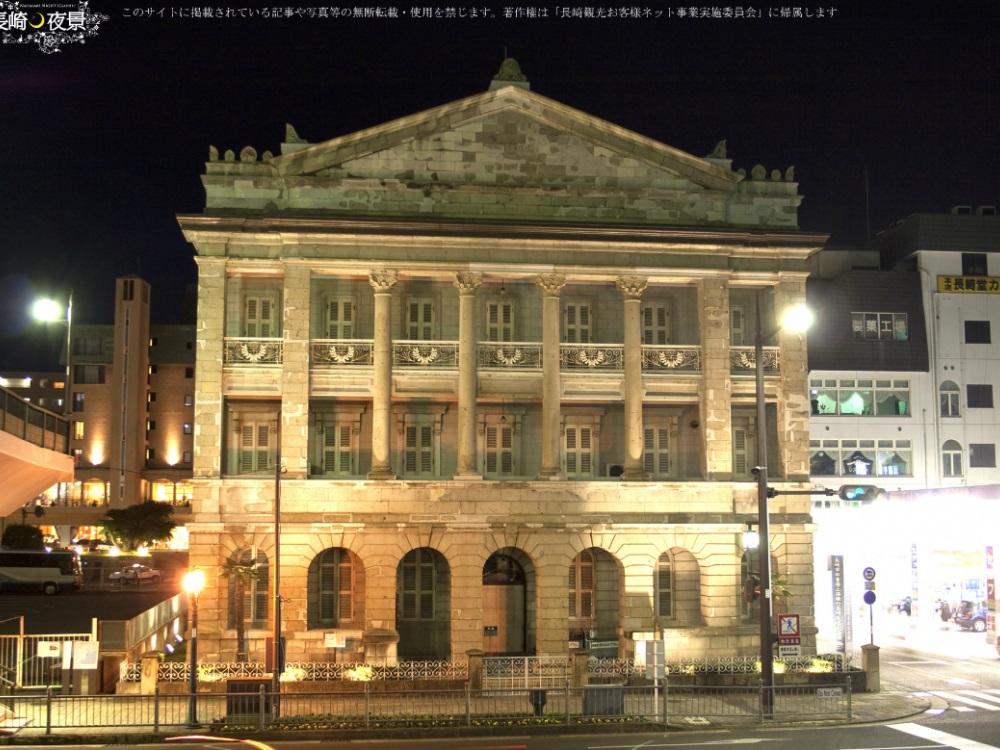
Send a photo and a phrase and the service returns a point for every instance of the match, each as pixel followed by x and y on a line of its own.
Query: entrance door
pixel 503 619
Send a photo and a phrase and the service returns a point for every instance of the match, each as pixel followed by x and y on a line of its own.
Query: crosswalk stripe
pixel 945 738
pixel 963 709
pixel 962 699
pixel 981 695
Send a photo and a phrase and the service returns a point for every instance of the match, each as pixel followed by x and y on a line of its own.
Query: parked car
pixel 136 573
pixel 971 616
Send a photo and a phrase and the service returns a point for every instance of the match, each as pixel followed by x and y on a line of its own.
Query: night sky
pixel 104 143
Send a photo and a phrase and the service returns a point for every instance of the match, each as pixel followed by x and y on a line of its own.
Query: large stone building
pixel 503 349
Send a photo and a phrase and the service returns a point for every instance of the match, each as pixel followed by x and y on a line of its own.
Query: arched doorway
pixel 423 605
pixel 594 601
pixel 508 603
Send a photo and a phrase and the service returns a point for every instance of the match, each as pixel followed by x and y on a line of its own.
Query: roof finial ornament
pixel 719 152
pixel 509 74
pixel 291 136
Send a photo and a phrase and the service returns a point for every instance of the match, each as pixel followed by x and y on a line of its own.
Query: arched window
pixel 949 399
pixel 581 585
pixel 664 585
pixel 333 585
pixel 248 577
pixel 951 459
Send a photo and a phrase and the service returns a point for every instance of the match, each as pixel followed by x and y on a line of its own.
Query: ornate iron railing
pixel 425 354
pixel 510 355
pixel 337 352
pixel 521 672
pixel 253 351
pixel 742 360
pixel 175 671
pixel 721 665
pixel 671 358
pixel 591 356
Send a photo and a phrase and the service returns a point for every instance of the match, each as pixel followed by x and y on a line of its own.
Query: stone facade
pixel 495 345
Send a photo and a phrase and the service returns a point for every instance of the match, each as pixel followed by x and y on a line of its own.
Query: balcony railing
pixel 425 354
pixel 591 356
pixel 658 359
pixel 336 352
pixel 509 355
pixel 742 360
pixel 250 352
pixel 33 423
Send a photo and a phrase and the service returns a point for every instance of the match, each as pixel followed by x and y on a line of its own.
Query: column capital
pixel 383 279
pixel 467 281
pixel 551 283
pixel 631 286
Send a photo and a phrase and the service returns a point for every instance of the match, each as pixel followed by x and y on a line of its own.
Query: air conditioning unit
pixel 961 210
pixel 986 211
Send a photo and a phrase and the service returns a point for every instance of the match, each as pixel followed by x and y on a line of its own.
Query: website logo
pixel 49 25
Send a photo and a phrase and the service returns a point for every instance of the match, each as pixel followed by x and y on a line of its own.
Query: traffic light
pixel 860 493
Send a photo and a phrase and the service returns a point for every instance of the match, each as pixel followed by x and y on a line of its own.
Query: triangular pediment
pixel 506 136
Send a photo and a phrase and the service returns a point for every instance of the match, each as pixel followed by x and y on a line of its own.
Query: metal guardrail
pixel 368 708
pixel 23 667
pixel 32 423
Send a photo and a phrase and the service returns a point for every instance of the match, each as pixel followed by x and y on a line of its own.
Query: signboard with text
pixel 969 284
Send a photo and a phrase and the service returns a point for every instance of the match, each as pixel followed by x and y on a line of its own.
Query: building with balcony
pixel 131 415
pixel 499 356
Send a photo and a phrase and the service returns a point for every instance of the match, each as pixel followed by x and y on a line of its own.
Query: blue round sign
pixel 869 597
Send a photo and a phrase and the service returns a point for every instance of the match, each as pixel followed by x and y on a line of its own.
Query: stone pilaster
pixel 552 630
pixel 382 282
pixel 208 402
pixel 550 284
pixel 467 283
pixel 632 288
pixel 716 393
pixel 295 373
pixel 793 393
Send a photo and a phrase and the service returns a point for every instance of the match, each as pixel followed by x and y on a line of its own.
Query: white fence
pixel 24 665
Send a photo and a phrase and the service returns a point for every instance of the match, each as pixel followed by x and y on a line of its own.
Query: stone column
pixel 632 288
pixel 208 411
pixel 792 460
pixel 467 283
pixel 550 284
pixel 382 282
pixel 294 414
pixel 716 393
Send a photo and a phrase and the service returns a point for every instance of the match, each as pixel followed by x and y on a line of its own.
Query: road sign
pixel 869 597
pixel 869 574
pixel 788 626
pixel 869 585
pixel 786 650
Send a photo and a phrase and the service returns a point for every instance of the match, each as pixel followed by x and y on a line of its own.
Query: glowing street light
pixel 796 318
pixel 192 583
pixel 47 310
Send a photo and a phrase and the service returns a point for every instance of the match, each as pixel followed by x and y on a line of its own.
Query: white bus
pixel 50 572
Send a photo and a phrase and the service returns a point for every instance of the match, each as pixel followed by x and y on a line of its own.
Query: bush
pixel 22 536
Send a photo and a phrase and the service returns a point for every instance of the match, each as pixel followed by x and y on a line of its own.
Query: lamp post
pixel 796 319
pixel 192 583
pixel 47 310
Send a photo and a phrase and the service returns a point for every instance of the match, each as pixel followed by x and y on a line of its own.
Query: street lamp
pixel 795 319
pixel 192 583
pixel 46 310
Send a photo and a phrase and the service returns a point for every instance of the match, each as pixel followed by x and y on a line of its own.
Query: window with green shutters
pixel 578 451
pixel 576 323
pixel 335 586
pixel 257 448
pixel 499 453
pixel 420 319
pixel 655 324
pixel 418 452
pixel 339 318
pixel 664 585
pixel 417 584
pixel 338 449
pixel 581 586
pixel 500 321
pixel 260 316
pixel 656 450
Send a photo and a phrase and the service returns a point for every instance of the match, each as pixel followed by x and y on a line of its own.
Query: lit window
pixel 880 326
pixel 188 399
pixel 78 430
pixel 187 428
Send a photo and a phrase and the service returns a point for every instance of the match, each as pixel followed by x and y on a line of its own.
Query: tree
pixel 139 525
pixel 242 570
pixel 22 536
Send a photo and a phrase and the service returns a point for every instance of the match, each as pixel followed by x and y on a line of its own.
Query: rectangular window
pixel 189 372
pixel 150 425
pixel 78 400
pixel 982 455
pixel 150 454
pixel 78 430
pixel 655 324
pixel 188 399
pixel 151 397
pixel 577 319
pixel 499 453
pixel 89 345
pixel 741 452
pixel 979 396
pixel 894 458
pixel 737 325
pixel 656 450
pixel 339 318
pixel 880 326
pixel 860 398
pixel 88 374
pixel 500 321
pixel 259 317
pixel 579 454
pixel 188 428
pixel 974 264
pixel 255 449
pixel 338 449
pixel 418 452
pixel 420 320
pixel 186 457
pixel 977 332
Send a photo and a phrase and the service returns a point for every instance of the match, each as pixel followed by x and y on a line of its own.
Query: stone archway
pixel 423 606
pixel 509 603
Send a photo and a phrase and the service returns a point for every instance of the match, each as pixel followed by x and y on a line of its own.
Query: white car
pixel 136 573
